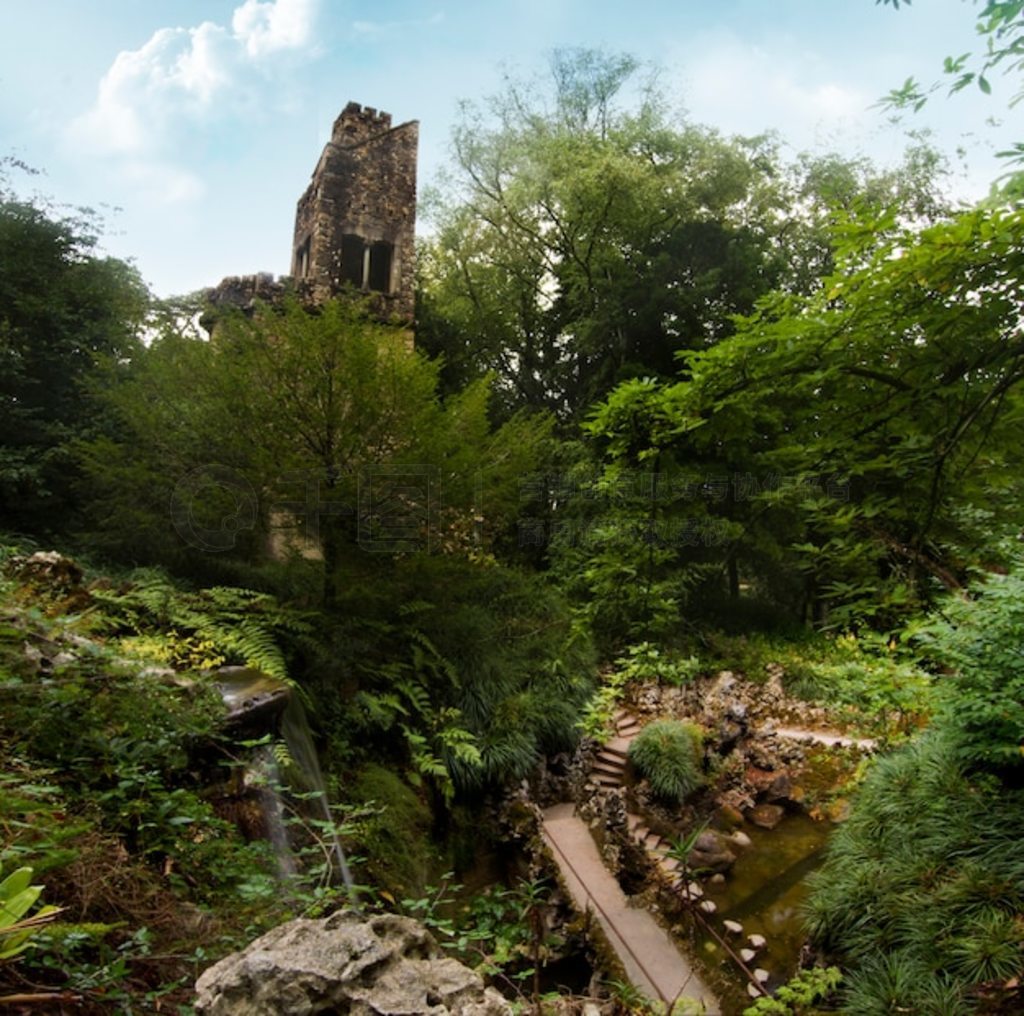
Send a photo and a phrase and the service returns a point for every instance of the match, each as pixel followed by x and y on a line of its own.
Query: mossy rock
pixel 396 845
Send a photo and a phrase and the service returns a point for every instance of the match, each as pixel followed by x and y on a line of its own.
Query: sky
pixel 194 125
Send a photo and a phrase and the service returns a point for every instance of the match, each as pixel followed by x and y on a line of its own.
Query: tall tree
pixel 876 423
pixel 307 415
pixel 589 234
pixel 62 307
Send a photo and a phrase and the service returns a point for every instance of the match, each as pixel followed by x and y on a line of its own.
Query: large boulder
pixel 711 852
pixel 376 966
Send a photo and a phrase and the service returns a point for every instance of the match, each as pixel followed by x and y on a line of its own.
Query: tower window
pixel 379 274
pixel 352 258
pixel 366 266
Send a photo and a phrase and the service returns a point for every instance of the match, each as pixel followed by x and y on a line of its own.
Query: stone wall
pixel 355 223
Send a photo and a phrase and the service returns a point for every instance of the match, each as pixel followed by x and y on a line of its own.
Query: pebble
pixel 740 838
pixel 757 941
pixel 747 955
pixel 717 879
pixel 734 927
pixel 708 906
pixel 761 975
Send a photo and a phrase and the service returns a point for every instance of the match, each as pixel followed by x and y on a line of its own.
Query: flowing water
pixel 297 735
pixel 256 699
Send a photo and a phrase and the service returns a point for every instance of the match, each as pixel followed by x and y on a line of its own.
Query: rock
pixel 48 568
pixel 761 975
pixel 728 736
pixel 252 697
pixel 733 927
pixel 343 963
pixel 730 815
pixel 839 810
pixel 717 879
pixel 711 852
pixel 754 991
pixel 747 955
pixel 708 906
pixel 767 816
pixel 757 941
pixel 737 711
pixel 740 838
pixel 780 789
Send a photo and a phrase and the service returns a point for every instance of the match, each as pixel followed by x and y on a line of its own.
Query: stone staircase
pixel 608 771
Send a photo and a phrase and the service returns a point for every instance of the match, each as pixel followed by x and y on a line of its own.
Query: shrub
pixel 922 887
pixel 979 639
pixel 667 754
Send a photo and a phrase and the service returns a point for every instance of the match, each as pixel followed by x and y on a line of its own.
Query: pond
pixel 764 892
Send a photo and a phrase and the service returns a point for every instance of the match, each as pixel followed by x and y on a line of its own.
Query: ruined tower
pixel 356 221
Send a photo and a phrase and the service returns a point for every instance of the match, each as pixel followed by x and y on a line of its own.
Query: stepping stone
pixel 611 753
pixel 608 781
pixel 747 955
pixel 761 976
pixel 633 821
pixel 754 991
pixel 607 770
pixel 669 864
pixel 708 906
pixel 652 840
pixel 733 927
pixel 757 941
pixel 695 890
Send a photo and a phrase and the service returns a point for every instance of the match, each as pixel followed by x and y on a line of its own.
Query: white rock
pixel 761 975
pixel 708 906
pixel 734 927
pixel 740 838
pixel 747 955
pixel 753 991
pixel 757 941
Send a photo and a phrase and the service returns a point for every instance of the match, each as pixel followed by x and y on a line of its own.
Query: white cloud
pixel 183 79
pixel 266 26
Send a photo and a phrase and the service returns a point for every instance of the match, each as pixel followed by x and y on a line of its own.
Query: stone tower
pixel 356 222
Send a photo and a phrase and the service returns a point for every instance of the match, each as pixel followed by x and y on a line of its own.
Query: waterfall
pixel 273 811
pixel 297 735
pixel 253 700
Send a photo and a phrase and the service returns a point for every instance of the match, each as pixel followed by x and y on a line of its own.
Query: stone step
pixel 633 821
pixel 607 781
pixel 669 864
pixel 608 752
pixel 627 725
pixel 640 833
pixel 600 766
pixel 651 840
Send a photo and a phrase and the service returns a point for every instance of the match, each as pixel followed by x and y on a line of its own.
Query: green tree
pixel 868 435
pixel 588 234
pixel 63 306
pixel 294 415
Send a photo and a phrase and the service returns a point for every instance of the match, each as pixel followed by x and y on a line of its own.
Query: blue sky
pixel 201 121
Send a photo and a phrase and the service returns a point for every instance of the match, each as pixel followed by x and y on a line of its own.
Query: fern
pixel 201 628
